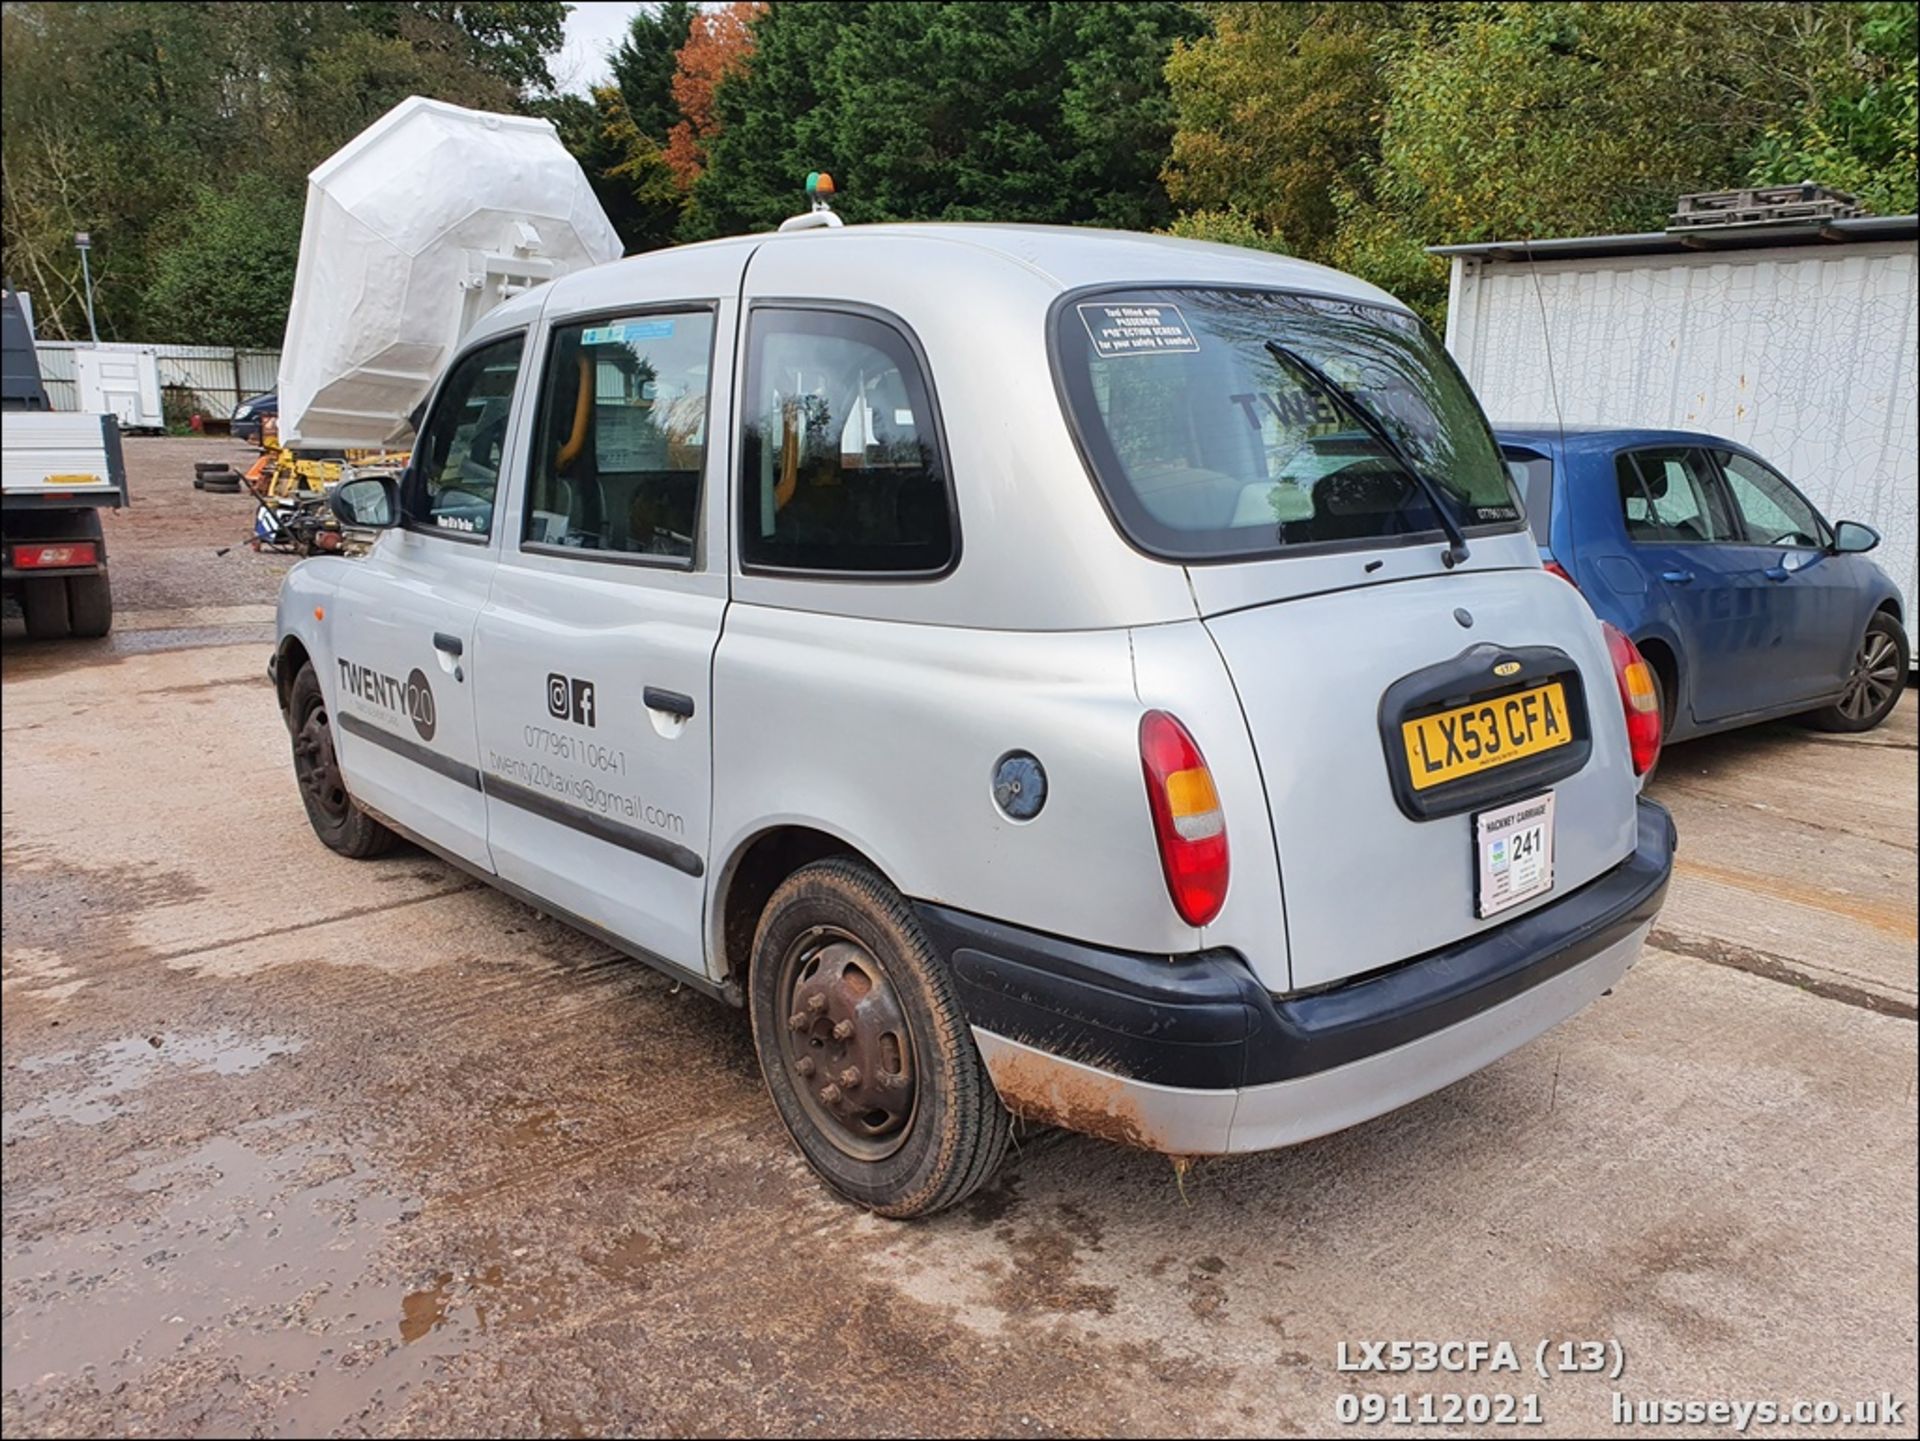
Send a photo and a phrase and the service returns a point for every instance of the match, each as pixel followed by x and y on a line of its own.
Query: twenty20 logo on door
pixel 570 698
pixel 412 698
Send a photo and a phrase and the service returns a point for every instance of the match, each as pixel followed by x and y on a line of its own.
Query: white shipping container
pixel 121 383
pixel 1803 351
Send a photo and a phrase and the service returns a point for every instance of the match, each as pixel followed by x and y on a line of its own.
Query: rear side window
pixel 841 464
pixel 1211 441
pixel 622 437
pixel 457 457
pixel 1533 474
pixel 1667 497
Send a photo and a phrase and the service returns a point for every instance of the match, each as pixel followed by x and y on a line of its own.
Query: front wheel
pixel 1873 685
pixel 336 818
pixel 869 1059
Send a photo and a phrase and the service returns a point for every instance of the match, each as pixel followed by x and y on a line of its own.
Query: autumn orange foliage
pixel 718 42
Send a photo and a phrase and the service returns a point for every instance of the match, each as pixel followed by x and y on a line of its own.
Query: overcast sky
pixel 593 28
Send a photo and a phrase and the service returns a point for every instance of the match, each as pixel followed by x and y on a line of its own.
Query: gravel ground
pixel 295 1146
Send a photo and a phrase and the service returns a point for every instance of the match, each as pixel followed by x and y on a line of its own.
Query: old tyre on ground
pixel 864 1047
pixel 43 605
pixel 210 467
pixel 337 819
pixel 90 605
pixel 1873 686
pixel 227 484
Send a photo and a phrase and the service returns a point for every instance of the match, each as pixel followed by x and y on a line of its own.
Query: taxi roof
pixel 1063 257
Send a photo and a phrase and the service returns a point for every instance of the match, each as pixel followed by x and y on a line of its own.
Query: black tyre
pixel 43 604
pixel 336 818
pixel 1873 686
pixel 211 467
pixel 227 484
pixel 199 482
pixel 90 605
pixel 864 1047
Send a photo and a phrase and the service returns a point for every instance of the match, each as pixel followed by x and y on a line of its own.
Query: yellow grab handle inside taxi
pixel 582 408
pixel 789 455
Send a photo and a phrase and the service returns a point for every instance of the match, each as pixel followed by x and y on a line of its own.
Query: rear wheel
pixel 90 604
pixel 869 1059
pixel 43 604
pixel 1873 685
pixel 336 818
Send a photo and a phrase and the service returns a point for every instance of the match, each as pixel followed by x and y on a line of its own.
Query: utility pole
pixel 83 242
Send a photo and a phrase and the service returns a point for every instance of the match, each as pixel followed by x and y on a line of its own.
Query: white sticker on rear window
pixel 1137 329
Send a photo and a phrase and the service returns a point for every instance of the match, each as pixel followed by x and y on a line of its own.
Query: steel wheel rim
pixel 845 1044
pixel 316 768
pixel 1875 677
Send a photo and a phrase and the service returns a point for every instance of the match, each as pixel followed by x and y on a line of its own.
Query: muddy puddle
pixel 94 1086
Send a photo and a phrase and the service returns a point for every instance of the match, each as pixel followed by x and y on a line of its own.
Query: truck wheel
pixel 1873 685
pixel 864 1047
pixel 43 603
pixel 336 818
pixel 90 603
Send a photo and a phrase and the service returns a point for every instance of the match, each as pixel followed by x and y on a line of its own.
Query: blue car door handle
pixel 1677 577
pixel 1777 572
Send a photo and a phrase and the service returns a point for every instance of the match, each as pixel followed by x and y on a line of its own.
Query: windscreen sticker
pixel 627 331
pixel 1137 329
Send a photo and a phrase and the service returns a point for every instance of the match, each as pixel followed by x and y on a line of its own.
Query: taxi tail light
pixel 1188 823
pixel 1639 698
pixel 1553 567
pixel 54 556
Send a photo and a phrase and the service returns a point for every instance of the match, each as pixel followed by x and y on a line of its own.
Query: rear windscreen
pixel 1208 445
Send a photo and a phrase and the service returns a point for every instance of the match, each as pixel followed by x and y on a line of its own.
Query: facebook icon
pixel 570 699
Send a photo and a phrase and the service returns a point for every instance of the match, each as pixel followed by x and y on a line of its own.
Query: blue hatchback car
pixel 1746 602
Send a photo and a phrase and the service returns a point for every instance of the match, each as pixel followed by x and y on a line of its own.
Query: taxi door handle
pixel 670 701
pixel 1677 577
pixel 451 644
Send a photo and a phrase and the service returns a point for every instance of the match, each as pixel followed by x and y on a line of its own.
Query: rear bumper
pixel 1191 1055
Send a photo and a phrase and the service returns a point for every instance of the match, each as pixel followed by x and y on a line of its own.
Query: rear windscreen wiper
pixel 1456 541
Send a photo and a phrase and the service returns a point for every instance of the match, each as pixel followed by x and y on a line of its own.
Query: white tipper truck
pixel 59 471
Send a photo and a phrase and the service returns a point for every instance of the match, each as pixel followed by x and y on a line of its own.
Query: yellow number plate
pixel 1474 738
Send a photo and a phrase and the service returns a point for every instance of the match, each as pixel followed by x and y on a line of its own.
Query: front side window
pixel 1667 498
pixel 1210 442
pixel 456 460
pixel 1770 511
pixel 841 465
pixel 621 440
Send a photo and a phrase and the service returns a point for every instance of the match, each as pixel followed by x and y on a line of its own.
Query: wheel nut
pixel 799 1020
pixel 830 1093
pixel 816 1002
pixel 804 1065
pixel 850 1077
pixel 842 1030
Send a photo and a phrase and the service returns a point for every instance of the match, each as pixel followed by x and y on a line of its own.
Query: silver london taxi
pixel 1094 678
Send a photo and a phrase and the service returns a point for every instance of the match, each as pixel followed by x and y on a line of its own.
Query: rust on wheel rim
pixel 315 766
pixel 845 1044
